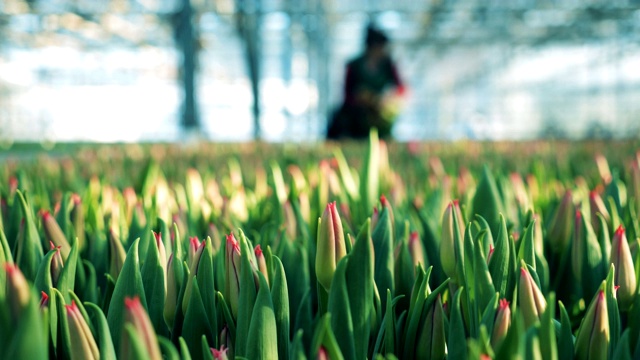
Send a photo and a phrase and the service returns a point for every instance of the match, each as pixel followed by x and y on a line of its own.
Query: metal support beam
pixel 248 25
pixel 186 41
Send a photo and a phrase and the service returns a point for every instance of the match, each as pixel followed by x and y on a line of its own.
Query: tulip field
pixel 366 250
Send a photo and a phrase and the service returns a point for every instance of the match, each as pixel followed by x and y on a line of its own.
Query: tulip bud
pixel 331 245
pixel 219 354
pixel 130 201
pixel 232 273
pixel 322 354
pixel 77 219
pixel 501 324
pixel 54 234
pixel 56 264
pixel 532 302
pixel 490 254
pixel 430 343
pixel 603 168
pixel 17 291
pixel 436 166
pixel 262 264
pixel 519 191
pixel 290 223
pixel 416 250
pixel 465 182
pixel 305 207
pixel 586 256
pixel 592 341
pixel 83 345
pixel 596 205
pixel 225 339
pixel 136 316
pixel 13 186
pixel 375 216
pixel 538 241
pixel 171 298
pixel 448 255
pixel 116 255
pixel 559 232
pixel 162 252
pixel 625 275
pixel 194 185
pixel 195 250
pixel 385 204
pixel 237 205
pixel 44 300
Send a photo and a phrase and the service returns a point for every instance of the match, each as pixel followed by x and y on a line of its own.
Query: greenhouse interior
pixel 76 70
pixel 320 179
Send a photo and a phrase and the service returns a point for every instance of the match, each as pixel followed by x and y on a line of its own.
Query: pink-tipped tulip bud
pixel 136 316
pixel 501 324
pixel 387 205
pixel 532 302
pixel 17 291
pixel 375 216
pixel 331 245
pixel 54 234
pixel 450 240
pixel 592 341
pixel 56 264
pixel 197 247
pixel 162 254
pixel 225 340
pixel 83 345
pixel 559 232
pixel 232 273
pixel 416 250
pixel 625 275
pixel 219 354
pixel 13 186
pixel 262 263
pixel 44 300
pixel 195 250
pixel 162 251
pixel 490 254
pixel 322 354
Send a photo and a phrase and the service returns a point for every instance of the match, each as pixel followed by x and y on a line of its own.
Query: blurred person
pixel 373 92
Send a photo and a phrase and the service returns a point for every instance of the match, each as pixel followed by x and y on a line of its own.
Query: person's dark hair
pixel 375 37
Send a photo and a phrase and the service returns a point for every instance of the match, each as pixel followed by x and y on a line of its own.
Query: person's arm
pixel 400 87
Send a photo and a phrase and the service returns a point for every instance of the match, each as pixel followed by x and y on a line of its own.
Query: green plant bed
pixel 329 251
